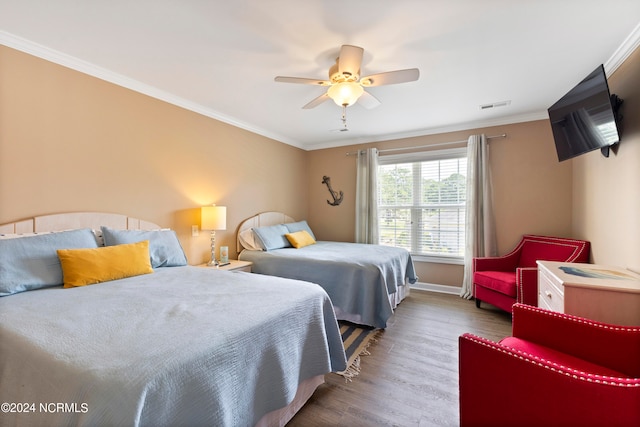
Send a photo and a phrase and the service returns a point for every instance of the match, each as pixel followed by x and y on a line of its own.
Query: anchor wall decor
pixel 337 197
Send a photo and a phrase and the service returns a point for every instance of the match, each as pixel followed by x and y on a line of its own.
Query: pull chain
pixel 344 118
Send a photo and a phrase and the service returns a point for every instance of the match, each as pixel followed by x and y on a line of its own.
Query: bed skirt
pixel 281 417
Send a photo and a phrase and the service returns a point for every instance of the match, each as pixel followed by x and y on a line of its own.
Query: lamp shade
pixel 213 217
pixel 345 93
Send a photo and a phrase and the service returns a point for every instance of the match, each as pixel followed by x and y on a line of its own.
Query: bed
pixel 176 345
pixel 365 282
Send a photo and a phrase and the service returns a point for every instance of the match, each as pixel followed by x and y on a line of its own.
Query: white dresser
pixel 604 293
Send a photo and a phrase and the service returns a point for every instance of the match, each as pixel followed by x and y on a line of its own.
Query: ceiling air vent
pixel 494 105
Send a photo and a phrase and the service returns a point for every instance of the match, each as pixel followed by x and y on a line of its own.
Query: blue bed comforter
pixel 358 277
pixel 182 346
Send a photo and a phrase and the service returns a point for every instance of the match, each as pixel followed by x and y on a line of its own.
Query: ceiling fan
pixel 345 85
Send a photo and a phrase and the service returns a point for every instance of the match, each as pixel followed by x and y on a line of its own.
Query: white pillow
pixel 248 240
pixel 96 232
pixel 19 235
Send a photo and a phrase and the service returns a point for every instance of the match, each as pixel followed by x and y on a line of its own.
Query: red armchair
pixel 503 281
pixel 556 370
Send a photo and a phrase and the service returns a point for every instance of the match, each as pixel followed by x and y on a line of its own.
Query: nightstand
pixel 234 265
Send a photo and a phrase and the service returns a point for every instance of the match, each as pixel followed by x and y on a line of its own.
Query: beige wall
pixel 606 191
pixel 71 142
pixel 532 190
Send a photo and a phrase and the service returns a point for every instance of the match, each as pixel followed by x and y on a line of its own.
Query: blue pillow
pixel 31 262
pixel 272 237
pixel 164 248
pixel 299 226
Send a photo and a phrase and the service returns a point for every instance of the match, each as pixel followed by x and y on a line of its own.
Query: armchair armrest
pixel 500 386
pixel 527 283
pixel 616 347
pixel 507 262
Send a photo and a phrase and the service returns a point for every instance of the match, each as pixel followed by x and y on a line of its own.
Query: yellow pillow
pixel 82 267
pixel 300 239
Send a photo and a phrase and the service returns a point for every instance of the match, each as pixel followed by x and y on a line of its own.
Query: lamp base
pixel 212 261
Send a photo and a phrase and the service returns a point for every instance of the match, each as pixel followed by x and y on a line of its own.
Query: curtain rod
pixel 504 135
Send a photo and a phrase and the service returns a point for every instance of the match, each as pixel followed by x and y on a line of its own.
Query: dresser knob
pixel 548 294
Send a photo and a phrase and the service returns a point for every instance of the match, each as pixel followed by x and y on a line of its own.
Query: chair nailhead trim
pixel 557 368
pixel 581 320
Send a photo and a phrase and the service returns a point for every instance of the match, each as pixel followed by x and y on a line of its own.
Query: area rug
pixel 356 341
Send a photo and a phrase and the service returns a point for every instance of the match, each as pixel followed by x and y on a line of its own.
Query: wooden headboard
pixel 263 219
pixel 74 220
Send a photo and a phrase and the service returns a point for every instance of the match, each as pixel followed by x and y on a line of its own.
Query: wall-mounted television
pixel 584 119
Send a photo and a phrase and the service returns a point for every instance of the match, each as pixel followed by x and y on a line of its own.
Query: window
pixel 421 203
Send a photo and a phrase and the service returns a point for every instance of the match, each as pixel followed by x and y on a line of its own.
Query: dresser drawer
pixel 549 296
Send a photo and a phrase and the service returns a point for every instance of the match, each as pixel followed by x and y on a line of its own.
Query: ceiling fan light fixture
pixel 346 87
pixel 345 93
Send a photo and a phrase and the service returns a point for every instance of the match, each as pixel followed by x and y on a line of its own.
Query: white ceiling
pixel 219 57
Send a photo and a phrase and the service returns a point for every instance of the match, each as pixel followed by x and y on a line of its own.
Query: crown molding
pixel 510 120
pixel 628 46
pixel 68 61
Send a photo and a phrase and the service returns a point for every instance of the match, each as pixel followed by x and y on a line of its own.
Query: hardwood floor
pixel 411 376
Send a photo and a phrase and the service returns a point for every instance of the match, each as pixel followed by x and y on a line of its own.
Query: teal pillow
pixel 272 237
pixel 31 262
pixel 164 247
pixel 299 226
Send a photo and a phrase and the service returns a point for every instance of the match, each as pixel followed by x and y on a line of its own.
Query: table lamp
pixel 213 218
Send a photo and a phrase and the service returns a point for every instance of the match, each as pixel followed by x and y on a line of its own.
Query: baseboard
pixel 432 287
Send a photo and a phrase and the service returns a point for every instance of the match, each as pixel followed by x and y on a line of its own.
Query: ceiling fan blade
pixel 350 60
pixel 302 80
pixel 317 101
pixel 391 77
pixel 368 101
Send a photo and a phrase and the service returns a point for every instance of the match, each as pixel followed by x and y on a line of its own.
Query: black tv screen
pixel 583 120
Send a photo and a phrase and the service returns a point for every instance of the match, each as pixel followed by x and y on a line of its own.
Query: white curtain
pixel 480 235
pixel 367 196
